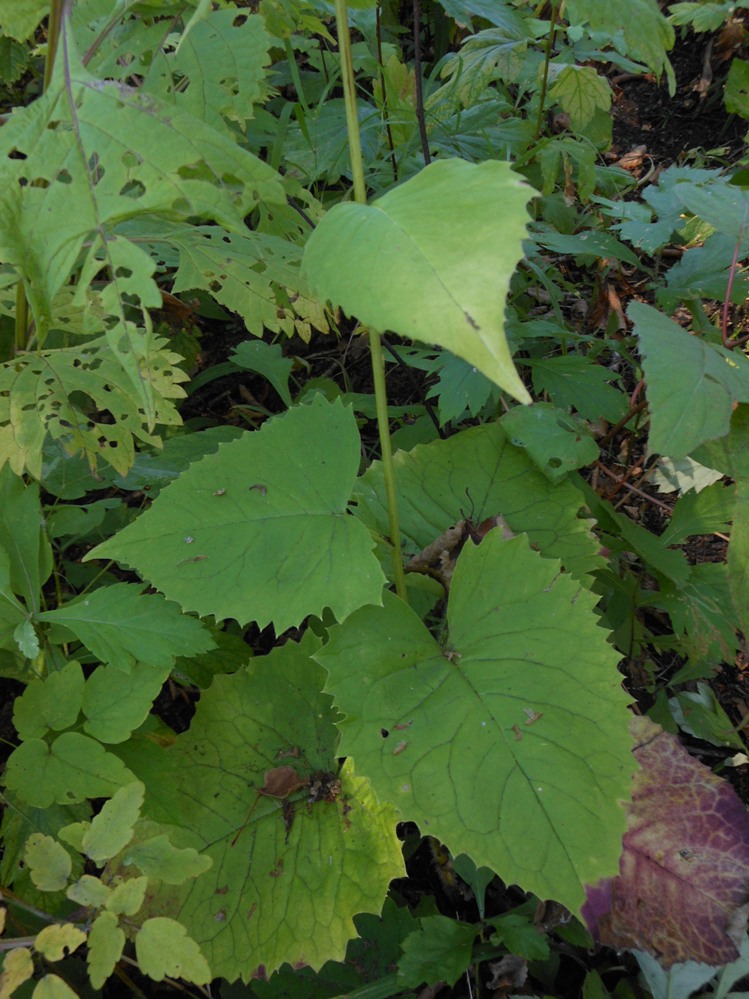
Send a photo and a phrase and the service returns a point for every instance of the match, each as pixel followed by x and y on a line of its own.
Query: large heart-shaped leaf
pixel 288 887
pixel 258 531
pixel 510 745
pixel 431 260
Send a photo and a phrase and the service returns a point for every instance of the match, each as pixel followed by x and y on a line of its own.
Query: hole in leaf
pixel 123 272
pixel 16 154
pixel 63 176
pixel 130 159
pixel 239 20
pixel 555 462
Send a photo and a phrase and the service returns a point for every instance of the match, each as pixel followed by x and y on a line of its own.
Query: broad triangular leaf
pixel 121 625
pixel 473 475
pixel 305 864
pixel 512 743
pixel 259 530
pixel 431 260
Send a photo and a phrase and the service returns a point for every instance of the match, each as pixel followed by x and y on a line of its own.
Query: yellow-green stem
pixel 375 345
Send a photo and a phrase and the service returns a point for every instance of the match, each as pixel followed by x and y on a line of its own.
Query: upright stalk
pixel 547 60
pixel 375 344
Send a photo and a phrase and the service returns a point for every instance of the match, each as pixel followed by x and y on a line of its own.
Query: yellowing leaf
pixel 106 941
pixel 57 941
pixel 163 948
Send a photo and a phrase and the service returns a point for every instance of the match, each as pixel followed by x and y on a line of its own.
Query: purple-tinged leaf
pixel 681 893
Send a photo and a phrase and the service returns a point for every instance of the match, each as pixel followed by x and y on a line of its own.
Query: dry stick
pixel 634 489
pixel 388 132
pixel 419 91
pixel 634 410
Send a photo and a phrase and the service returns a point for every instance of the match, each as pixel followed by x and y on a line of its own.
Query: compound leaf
pixel 259 530
pixel 392 266
pixel 48 861
pixel 121 625
pixel 112 828
pixel 512 742
pixel 52 703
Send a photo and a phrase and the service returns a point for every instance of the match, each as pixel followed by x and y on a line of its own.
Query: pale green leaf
pixel 154 159
pixel 116 703
pixel 128 896
pixel 69 770
pixel 17 968
pixel 158 858
pixel 163 948
pixel 216 70
pixel 90 892
pixel 556 442
pixel 439 951
pixel 112 828
pixel 121 625
pixel 700 713
pixel 35 400
pixel 691 383
pixel 26 639
pixel 106 941
pixel 52 703
pixel 52 987
pixel 57 941
pixel 23 538
pixel 20 18
pixel 299 872
pixel 512 743
pixel 48 861
pixel 581 92
pixel 259 531
pixel 682 475
pixel 474 475
pixel 431 260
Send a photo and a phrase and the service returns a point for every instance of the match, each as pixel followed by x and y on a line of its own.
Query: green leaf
pixel 736 91
pixel 646 33
pixel 51 704
pixel 38 393
pixel 26 639
pixel 508 745
pixel 691 383
pixel 57 941
pixel 89 891
pixel 72 769
pixel 112 828
pixel 738 555
pixel 266 360
pixel 163 948
pixel 556 442
pixel 48 861
pixel 580 91
pixel 22 536
pixel 171 164
pixel 52 987
pixel 121 625
pixel 128 896
pixel 259 531
pixel 449 240
pixel 21 18
pixel 700 16
pixel 520 936
pixel 18 967
pixel 116 703
pixel 14 60
pixel 290 886
pixel 474 475
pixel 158 858
pixel 106 942
pixel 439 951
pixel 216 70
pixel 700 714
pixel 575 380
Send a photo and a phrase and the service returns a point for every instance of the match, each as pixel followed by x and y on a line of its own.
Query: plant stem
pixel 418 81
pixel 547 60
pixel 375 345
